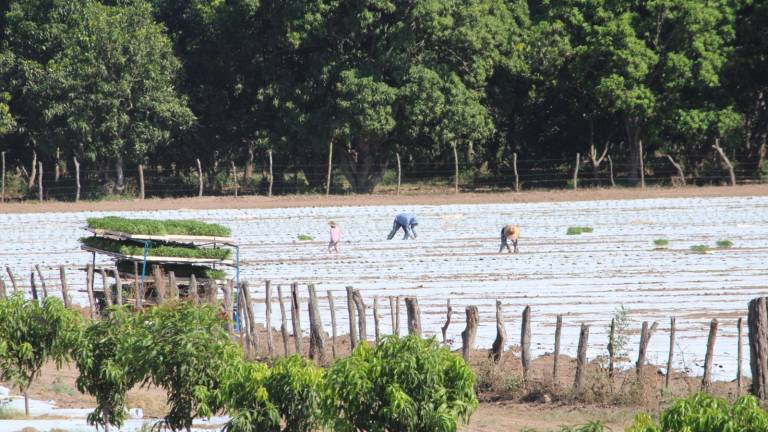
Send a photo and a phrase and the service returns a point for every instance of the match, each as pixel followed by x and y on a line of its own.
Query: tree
pixel 32 334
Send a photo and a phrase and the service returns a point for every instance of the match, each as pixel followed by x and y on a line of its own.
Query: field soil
pixel 424 197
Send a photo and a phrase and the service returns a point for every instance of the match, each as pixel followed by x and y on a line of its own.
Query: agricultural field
pixel 586 277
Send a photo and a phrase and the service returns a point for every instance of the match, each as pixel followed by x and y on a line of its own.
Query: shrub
pixel 158 227
pixel 405 384
pixel 294 387
pixel 701 248
pixel 172 250
pixel 724 244
pixel 701 412
pixel 579 230
pixel 661 242
pixel 305 237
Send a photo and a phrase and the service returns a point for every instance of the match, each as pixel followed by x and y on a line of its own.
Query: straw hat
pixel 332 223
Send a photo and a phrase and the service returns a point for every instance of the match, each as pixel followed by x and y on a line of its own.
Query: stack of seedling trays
pixel 141 247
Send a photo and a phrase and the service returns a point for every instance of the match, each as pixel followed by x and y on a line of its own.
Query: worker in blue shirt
pixel 407 222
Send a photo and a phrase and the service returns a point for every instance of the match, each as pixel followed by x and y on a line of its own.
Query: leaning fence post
pixel 12 278
pixel 556 362
pixel 333 324
pixel 296 317
pixel 469 333
pixel 497 349
pixel 525 342
pixel 671 351
pixel 283 319
pixel 33 285
pixel 645 338
pixel 361 314
pixel 316 334
pixel 444 328
pixel 706 380
pixel 42 281
pixel 352 318
pixel 414 315
pixel 581 359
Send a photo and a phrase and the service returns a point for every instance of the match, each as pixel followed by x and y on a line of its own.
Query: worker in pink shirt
pixel 335 238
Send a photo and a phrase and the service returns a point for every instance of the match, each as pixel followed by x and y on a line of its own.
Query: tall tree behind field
pixel 102 86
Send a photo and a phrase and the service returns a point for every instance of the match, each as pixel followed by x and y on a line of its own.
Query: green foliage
pixel 724 244
pixel 700 248
pixel 32 334
pixel 620 339
pixel 701 412
pixel 405 384
pixel 170 250
pixel 661 242
pixel 181 270
pixel 579 230
pixel 294 385
pixel 246 400
pixel 158 226
pixel 305 237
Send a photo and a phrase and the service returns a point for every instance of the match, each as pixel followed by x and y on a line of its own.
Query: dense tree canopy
pixel 117 82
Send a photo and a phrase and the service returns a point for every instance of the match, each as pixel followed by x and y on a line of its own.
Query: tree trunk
pixel 632 130
pixel 364 164
pixel 119 176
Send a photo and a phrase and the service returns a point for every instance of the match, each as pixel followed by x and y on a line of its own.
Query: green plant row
pixel 181 270
pixel 579 230
pixel 171 250
pixel 158 227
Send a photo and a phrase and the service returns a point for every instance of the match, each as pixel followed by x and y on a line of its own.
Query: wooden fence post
pixel 361 314
pixel 173 285
pixel 33 285
pixel 161 293
pixel 610 169
pixel 137 291
pixel 514 167
pixel 199 178
pixel 469 333
pixel 296 318
pixel 645 337
pixel 352 318
pixel 89 288
pixel 64 287
pixel 12 278
pixel 377 333
pixel 706 380
pixel 245 324
pixel 757 322
pixel 497 349
pixel 556 361
pixel 244 288
pixel 330 168
pixel 271 176
pixel 105 287
pixel 77 179
pixel 228 302
pixel 399 173
pixel 611 347
pixel 444 328
pixel 414 315
pixel 581 359
pixel 283 320
pixel 739 354
pixel 268 317
pixel 576 172
pixel 333 324
pixel 456 168
pixel 40 182
pixel 671 351
pixel 118 287
pixel 392 314
pixel 141 182
pixel 525 342
pixel 2 194
pixel 642 163
pixel 316 333
pixel 192 290
pixel 42 281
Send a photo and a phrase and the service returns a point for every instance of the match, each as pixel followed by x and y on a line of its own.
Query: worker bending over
pixel 509 233
pixel 407 222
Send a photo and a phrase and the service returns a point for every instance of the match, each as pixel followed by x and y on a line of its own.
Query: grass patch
pixel 171 250
pixel 7 413
pixel 158 227
pixel 304 237
pixel 579 230
pixel 701 248
pixel 60 388
pixel 724 244
pixel 661 242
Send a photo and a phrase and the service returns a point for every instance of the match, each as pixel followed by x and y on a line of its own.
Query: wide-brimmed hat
pixel 332 223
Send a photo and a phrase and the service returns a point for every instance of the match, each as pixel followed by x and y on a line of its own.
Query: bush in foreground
pixel 405 384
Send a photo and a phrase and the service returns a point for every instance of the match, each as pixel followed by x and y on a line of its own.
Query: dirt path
pixel 513 416
pixel 381 199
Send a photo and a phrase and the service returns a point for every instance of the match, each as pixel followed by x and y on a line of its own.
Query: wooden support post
pixel 611 347
pixel 137 291
pixel 399 175
pixel 296 317
pixel 254 334
pixel 525 342
pixel 89 288
pixel 77 179
pixel 469 333
pixel 271 175
pixel 361 315
pixel 268 317
pixel 33 285
pixel 514 167
pixel 706 380
pixel 244 334
pixel 105 287
pixel 556 362
pixel 330 168
pixel 397 316
pixel 316 332
pixel 392 314
pixel 12 278
pixel 199 178
pixel 40 182
pixel 352 318
pixel 497 349
pixel 141 182
pixel 576 172
pixel 456 168
pixel 229 304
pixel 333 324
pixel 283 320
pixel 726 161
pixel 739 355
pixel 161 292
pixel 42 281
pixel 670 359
pixel 610 170
pixel 173 290
pixel 2 194
pixel 645 338
pixel 444 328
pixel 581 359
pixel 414 315
pixel 118 287
pixel 64 287
pixel 376 329
pixel 757 322
pixel 642 163
pixel 192 290
pixel 234 176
